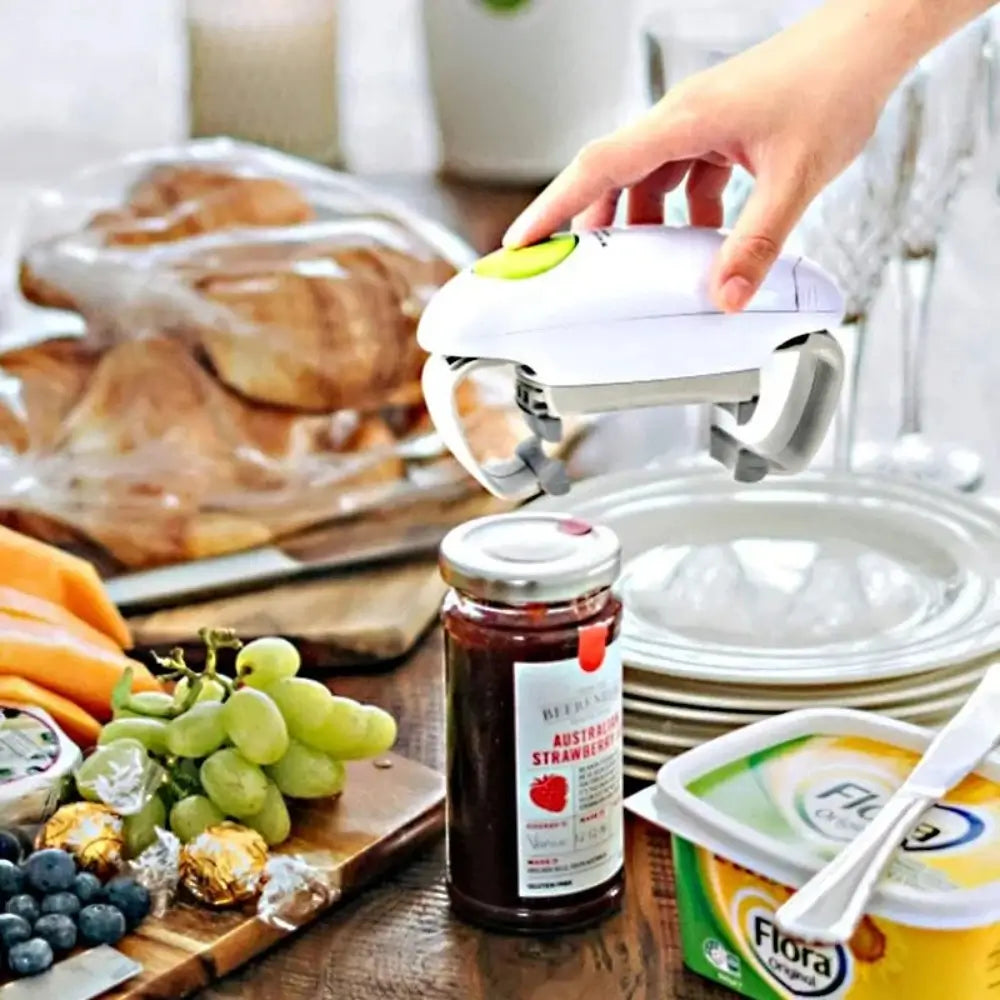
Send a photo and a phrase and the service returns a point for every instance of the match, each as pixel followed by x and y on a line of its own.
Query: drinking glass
pixel 991 109
pixel 686 38
pixel 680 40
pixel 266 72
pixel 952 99
pixel 991 54
pixel 851 228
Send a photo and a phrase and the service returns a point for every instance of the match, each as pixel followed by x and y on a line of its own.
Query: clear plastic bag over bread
pixel 301 286
pixel 249 367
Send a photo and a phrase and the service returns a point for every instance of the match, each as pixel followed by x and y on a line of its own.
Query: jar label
pixel 568 733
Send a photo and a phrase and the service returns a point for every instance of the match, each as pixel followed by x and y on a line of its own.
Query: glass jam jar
pixel 534 722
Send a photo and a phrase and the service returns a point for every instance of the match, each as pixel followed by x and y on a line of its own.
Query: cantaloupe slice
pixel 21 605
pixel 81 727
pixel 59 659
pixel 41 570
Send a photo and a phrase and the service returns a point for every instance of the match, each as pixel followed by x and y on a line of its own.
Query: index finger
pixel 610 164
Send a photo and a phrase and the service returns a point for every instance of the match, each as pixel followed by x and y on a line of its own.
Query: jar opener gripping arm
pixel 519 477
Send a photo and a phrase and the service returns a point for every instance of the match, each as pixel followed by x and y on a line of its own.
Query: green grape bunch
pixel 235 748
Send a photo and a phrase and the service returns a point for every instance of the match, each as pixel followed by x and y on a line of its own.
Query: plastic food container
pixel 762 809
pixel 36 760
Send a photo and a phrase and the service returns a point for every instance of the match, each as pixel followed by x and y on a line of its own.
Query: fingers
pixel 600 214
pixel 705 186
pixel 645 199
pixel 608 165
pixel 766 222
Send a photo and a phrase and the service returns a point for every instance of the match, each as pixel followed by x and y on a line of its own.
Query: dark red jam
pixel 534 762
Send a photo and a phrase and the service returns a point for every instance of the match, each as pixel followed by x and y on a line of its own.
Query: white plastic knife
pixel 829 907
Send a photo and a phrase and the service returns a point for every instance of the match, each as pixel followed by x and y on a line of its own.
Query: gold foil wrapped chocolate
pixel 91 832
pixel 223 866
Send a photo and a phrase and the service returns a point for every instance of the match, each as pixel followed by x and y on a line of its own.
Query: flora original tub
pixel 756 813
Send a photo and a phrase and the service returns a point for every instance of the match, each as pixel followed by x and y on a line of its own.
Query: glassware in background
pixel 991 99
pixel 952 97
pixel 686 37
pixel 991 110
pixel 518 86
pixel 680 39
pixel 851 231
pixel 266 72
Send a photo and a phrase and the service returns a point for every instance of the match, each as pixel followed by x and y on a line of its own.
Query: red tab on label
pixel 592 643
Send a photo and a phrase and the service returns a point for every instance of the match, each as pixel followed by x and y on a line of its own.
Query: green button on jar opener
pixel 526 262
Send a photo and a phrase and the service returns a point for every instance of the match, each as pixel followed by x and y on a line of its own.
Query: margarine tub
pixel 761 809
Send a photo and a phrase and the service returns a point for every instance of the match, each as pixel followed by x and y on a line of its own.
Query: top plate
pixel 820 579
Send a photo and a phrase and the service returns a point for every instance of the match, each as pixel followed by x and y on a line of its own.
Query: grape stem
pixel 214 640
pixel 175 667
pixel 194 689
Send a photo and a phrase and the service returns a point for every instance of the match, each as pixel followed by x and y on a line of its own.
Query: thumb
pixel 766 222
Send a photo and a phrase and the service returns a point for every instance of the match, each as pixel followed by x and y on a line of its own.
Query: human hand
pixel 793 111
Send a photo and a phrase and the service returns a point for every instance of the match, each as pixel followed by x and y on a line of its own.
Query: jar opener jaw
pixel 780 429
pixel 512 478
pixel 770 421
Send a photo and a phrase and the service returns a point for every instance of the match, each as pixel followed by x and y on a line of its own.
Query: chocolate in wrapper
pixel 223 866
pixel 158 870
pixel 93 833
pixel 296 888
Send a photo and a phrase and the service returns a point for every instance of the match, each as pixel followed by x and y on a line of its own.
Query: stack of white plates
pixel 746 601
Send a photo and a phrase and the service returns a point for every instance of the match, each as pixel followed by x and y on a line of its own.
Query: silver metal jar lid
pixel 524 558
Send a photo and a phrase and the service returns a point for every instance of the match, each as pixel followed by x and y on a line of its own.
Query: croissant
pixel 162 463
pixel 44 293
pixel 339 334
pixel 177 202
pixel 38 387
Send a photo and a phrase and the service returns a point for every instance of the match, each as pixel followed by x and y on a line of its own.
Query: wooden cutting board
pixel 366 617
pixel 365 614
pixel 385 815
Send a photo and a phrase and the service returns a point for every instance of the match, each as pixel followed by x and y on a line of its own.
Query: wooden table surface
pixel 399 940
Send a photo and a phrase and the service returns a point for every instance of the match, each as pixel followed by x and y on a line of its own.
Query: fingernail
pixel 514 236
pixel 736 292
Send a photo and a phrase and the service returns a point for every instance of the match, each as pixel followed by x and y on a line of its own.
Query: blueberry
pixel 58 929
pixel 11 879
pixel 13 929
pixel 11 848
pixel 100 923
pixel 61 902
pixel 88 888
pixel 30 957
pixel 21 834
pixel 24 906
pixel 50 870
pixel 130 897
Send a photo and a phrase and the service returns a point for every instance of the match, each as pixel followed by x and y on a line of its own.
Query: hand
pixel 794 112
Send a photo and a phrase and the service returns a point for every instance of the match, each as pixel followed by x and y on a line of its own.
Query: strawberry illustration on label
pixel 550 792
pixel 591 645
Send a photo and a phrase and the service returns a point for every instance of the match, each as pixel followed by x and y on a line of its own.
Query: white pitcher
pixel 520 85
